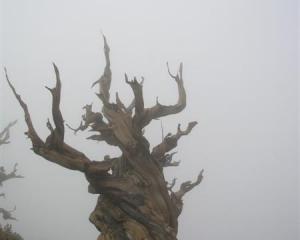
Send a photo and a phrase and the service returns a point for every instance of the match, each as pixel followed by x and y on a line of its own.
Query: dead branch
pixel 54 149
pixel 167 160
pixel 189 185
pixel 4 134
pixel 176 197
pixel 137 89
pixel 170 141
pixel 172 184
pixel 105 80
pixel 160 110
pixel 7 215
pixel 6 176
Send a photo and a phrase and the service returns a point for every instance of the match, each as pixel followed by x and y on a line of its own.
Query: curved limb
pixel 6 176
pixel 54 148
pixel 160 110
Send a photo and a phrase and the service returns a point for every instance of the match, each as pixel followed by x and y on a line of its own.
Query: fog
pixel 240 74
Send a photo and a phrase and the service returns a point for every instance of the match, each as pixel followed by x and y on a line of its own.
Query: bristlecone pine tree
pixel 6 232
pixel 135 201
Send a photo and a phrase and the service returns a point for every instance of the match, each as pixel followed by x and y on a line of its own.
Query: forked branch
pixel 170 141
pixel 54 149
pixel 176 197
pixel 6 176
pixel 160 110
pixel 137 88
pixel 189 185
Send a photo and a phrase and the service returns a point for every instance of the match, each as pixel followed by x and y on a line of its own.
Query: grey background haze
pixel 240 72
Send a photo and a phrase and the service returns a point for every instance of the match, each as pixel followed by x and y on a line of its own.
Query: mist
pixel 240 74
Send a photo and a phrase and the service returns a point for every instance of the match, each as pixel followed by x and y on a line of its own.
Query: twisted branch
pixel 160 110
pixel 54 148
pixel 6 176
pixel 170 141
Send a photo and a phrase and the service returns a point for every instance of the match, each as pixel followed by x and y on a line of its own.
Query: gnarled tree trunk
pixel 135 201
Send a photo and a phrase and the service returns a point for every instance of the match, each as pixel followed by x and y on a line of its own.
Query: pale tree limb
pixel 6 176
pixel 7 215
pixel 31 133
pixel 4 137
pixel 176 197
pixel 105 80
pixel 4 134
pixel 189 185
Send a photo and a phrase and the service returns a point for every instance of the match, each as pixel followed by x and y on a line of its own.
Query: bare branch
pixel 105 80
pixel 5 133
pixel 90 118
pixel 170 141
pixel 160 110
pixel 137 89
pixel 94 121
pixel 167 160
pixel 31 133
pixel 54 149
pixel 57 134
pixel 176 197
pixel 7 214
pixel 80 128
pixel 188 186
pixel 6 176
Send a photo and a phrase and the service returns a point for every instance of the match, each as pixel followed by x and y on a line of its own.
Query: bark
pixel 135 201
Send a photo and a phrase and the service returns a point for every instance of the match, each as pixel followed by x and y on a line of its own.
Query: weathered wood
pixel 135 201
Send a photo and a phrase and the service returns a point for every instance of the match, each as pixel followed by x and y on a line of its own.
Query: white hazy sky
pixel 240 72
